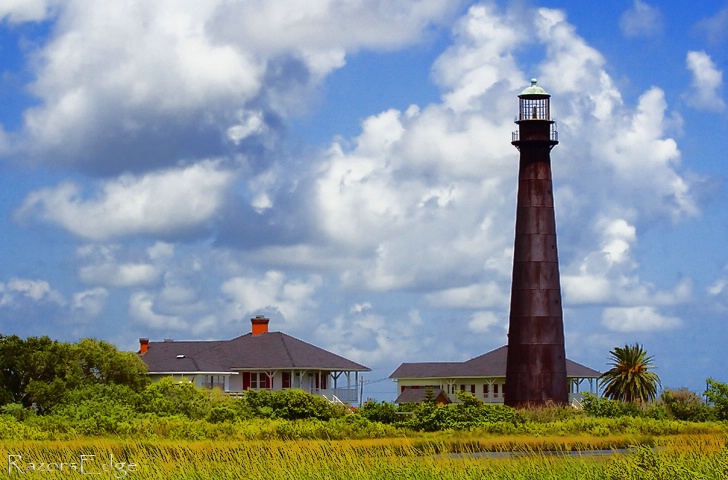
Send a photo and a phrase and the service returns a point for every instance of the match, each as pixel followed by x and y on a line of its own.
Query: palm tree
pixel 630 378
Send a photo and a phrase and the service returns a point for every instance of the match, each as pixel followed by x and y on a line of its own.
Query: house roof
pixel 417 395
pixel 266 351
pixel 490 364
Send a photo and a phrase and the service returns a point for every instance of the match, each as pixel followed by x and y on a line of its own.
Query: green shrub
pixel 17 411
pixel 682 404
pixel 469 414
pixel 222 413
pixel 293 404
pixel 169 397
pixel 607 408
pixel 383 412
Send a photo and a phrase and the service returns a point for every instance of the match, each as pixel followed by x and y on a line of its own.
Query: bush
pixel 17 411
pixel 469 414
pixel 222 413
pixel 383 412
pixel 169 397
pixel 682 404
pixel 293 404
pixel 606 408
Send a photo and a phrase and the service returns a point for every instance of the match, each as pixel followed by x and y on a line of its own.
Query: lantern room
pixel 534 103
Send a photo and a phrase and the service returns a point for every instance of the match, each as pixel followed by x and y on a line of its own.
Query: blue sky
pixel 172 168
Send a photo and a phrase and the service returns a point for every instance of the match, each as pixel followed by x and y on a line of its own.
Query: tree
pixel 102 363
pixel 717 394
pixel 630 379
pixel 40 371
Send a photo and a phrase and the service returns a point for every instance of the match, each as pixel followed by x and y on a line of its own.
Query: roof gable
pixel 418 395
pixel 490 364
pixel 266 351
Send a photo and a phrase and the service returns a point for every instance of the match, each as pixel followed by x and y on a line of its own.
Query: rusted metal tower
pixel 536 364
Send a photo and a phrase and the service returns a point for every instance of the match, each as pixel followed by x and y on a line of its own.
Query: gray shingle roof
pixel 490 364
pixel 267 351
pixel 417 395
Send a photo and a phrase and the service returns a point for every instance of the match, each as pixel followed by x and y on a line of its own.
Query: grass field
pixel 702 456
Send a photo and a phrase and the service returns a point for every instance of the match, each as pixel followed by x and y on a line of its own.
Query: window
pixel 214 381
pixel 254 380
pixel 286 380
pixel 486 391
pixel 259 381
pixel 495 390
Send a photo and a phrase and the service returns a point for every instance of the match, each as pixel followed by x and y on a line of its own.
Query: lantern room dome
pixel 534 89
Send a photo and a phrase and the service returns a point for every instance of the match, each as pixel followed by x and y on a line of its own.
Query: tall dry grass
pixel 444 457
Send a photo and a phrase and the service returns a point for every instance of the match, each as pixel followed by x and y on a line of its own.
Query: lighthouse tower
pixel 536 364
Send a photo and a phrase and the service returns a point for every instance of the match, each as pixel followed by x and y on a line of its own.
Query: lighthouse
pixel 536 363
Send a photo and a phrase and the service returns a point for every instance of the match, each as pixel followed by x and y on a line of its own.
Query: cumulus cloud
pixel 715 27
pixel 274 291
pixel 638 319
pixel 471 296
pixel 707 82
pixel 718 290
pixel 412 193
pixel 16 289
pixel 19 11
pixel 142 310
pixel 102 267
pixel 133 87
pixel 369 338
pixel 28 302
pixel 162 203
pixel 89 303
pixel 609 275
pixel 642 20
pixel 484 322
pixel 420 202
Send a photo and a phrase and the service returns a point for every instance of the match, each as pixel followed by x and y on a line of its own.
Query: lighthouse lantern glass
pixel 534 109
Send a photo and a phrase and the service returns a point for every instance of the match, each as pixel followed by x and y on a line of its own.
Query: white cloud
pixel 637 319
pixel 161 203
pixel 325 25
pixel 707 81
pixel 426 195
pixel 124 275
pixel 38 291
pixel 572 65
pixel 643 20
pixel 183 76
pixel 360 307
pixel 715 27
pixel 102 265
pixel 484 322
pixel 371 339
pixel 89 303
pixel 483 295
pixel 291 297
pixel 481 59
pixel 608 275
pixel 251 123
pixel 160 250
pixel 142 310
pixel 19 11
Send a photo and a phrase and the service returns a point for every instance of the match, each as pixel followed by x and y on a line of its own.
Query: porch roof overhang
pixel 194 372
pixel 289 368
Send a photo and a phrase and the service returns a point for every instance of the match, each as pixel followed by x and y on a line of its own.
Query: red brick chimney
pixel 259 324
pixel 143 345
